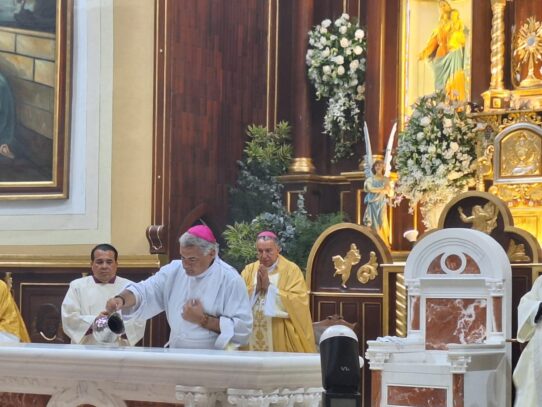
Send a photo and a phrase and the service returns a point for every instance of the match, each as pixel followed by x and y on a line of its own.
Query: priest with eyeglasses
pixel 205 299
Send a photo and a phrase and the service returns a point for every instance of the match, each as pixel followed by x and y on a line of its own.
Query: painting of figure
pixel 436 55
pixel 34 55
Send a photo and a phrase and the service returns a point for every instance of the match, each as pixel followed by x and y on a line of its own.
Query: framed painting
pixel 35 98
pixel 435 50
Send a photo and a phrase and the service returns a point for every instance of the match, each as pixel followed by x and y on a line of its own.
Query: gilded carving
pixel 527 48
pixel 369 270
pixel 521 154
pixel 516 252
pixel 483 218
pixel 518 195
pixel 343 266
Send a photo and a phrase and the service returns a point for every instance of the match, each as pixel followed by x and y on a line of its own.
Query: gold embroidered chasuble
pixel 10 318
pixel 291 330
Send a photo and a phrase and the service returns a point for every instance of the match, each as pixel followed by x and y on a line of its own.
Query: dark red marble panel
pixel 415 313
pixel 459 392
pixel 416 396
pixel 376 383
pixel 497 314
pixel 23 400
pixel 450 320
pixel 454 263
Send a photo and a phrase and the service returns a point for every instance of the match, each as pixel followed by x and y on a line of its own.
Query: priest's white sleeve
pixel 135 329
pixel 273 305
pixel 150 294
pixel 236 320
pixel 75 324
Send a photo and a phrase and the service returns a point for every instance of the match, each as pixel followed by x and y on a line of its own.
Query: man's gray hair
pixel 189 240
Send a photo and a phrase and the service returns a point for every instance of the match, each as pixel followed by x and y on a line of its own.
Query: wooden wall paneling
pixel 481 50
pixel 215 74
pixel 366 312
pixel 157 232
pixel 36 286
pixel 372 328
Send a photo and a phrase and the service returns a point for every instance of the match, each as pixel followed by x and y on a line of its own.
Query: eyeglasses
pixel 189 259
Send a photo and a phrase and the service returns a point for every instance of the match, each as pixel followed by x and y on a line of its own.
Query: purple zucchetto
pixel 203 232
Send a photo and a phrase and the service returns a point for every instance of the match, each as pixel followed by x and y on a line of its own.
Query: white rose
pixel 326 69
pixel 420 136
pixel 454 146
pixel 339 60
pixel 323 30
pixel 344 42
pixel 425 121
pixel 323 40
pixel 325 53
pixel 345 16
pixel 358 50
pixel 348 51
pixel 447 123
pixel 361 89
pixel 431 149
pixel 354 65
pixel 340 70
pixel 343 29
pixel 326 23
pixel 359 34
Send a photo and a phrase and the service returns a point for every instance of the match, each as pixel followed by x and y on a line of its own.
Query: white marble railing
pixel 103 376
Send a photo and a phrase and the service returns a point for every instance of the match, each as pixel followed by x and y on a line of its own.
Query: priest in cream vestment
pixel 86 297
pixel 280 302
pixel 12 328
pixel 528 371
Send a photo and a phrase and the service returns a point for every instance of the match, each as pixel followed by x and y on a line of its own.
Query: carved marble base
pixel 72 375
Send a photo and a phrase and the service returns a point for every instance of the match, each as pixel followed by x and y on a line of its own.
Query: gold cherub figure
pixel 343 267
pixel 369 270
pixel 516 252
pixel 483 219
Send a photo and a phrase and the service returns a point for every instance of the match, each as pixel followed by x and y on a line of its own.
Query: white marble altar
pixel 71 375
pixel 455 353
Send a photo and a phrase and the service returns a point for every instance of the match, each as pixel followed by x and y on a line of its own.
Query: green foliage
pixel 257 202
pixel 306 232
pixel 296 231
pixel 267 154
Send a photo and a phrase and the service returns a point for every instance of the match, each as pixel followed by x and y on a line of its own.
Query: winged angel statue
pixel 378 187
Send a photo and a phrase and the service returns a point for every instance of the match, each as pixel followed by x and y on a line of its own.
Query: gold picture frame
pixel 35 80
pixel 423 51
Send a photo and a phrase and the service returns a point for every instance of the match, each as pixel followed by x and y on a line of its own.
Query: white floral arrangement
pixel 337 61
pixel 436 153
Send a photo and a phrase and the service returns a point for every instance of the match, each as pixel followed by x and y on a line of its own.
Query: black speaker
pixel 341 367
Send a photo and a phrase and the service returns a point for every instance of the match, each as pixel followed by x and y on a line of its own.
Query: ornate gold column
pixel 302 24
pixel 497 97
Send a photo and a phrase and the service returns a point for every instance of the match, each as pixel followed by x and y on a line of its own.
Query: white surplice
pixel 527 374
pixel 221 291
pixel 84 300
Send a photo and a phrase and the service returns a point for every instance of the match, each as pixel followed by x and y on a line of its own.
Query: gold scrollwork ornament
pixel 369 270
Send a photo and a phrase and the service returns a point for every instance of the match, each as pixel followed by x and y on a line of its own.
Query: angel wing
pixel 389 147
pixel 368 153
